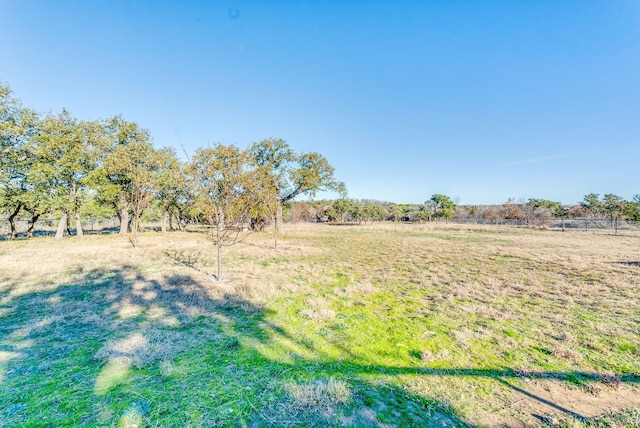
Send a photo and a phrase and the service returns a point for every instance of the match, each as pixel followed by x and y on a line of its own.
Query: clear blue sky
pixel 479 100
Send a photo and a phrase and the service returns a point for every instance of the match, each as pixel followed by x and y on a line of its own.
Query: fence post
pixel 616 227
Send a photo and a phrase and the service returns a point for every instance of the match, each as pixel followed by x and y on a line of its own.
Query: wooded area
pixel 55 164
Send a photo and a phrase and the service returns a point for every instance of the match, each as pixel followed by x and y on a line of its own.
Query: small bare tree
pixel 229 190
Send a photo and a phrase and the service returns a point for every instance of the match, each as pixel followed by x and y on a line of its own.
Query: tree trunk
pixel 117 210
pixel 279 216
pixel 68 225
pixel 182 223
pixel 133 236
pixel 134 223
pixel 12 222
pixel 219 245
pixel 219 232
pixel 61 226
pixel 165 217
pixel 32 224
pixel 79 231
pixel 124 220
pixel 275 237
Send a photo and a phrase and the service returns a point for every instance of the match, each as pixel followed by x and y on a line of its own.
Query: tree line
pixel 344 210
pixel 533 211
pixel 539 211
pixel 56 164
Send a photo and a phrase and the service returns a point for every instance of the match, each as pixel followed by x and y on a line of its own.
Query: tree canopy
pixel 228 190
pixel 293 174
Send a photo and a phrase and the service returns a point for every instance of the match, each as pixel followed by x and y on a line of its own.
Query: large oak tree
pixel 65 152
pixel 17 126
pixel 127 172
pixel 293 174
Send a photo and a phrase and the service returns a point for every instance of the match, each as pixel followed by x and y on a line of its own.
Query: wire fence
pixel 48 226
pixel 595 225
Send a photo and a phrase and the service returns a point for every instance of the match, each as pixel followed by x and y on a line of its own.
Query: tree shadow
pixel 123 347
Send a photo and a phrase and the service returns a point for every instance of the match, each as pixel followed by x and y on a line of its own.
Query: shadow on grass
pixel 118 347
pixel 628 263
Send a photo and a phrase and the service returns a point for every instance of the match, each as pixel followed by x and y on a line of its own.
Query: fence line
pixel 616 226
pixel 47 226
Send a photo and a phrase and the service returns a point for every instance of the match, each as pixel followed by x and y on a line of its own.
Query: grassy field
pixel 383 325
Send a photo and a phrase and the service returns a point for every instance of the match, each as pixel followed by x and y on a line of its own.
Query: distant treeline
pixel 438 207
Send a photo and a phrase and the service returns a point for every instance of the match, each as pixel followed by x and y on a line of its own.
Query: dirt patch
pixel 542 401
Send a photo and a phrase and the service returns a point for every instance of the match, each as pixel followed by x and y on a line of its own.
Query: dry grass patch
pixel 318 314
pixel 321 395
pixel 568 354
pixel 140 349
pixel 423 321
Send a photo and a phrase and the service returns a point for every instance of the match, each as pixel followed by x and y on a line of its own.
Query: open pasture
pixel 377 325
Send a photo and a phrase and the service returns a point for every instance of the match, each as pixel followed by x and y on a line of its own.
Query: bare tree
pixel 229 190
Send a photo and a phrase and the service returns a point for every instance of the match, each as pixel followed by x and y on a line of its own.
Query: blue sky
pixel 479 100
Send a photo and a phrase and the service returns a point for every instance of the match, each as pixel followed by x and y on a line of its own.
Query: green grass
pixel 341 327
